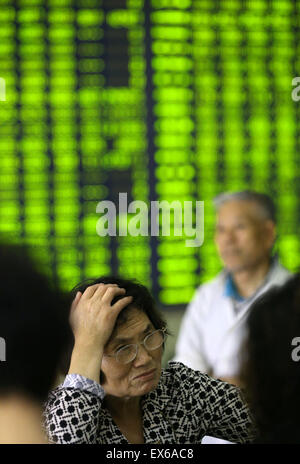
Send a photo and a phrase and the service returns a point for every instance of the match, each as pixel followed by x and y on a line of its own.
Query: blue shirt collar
pixel 230 289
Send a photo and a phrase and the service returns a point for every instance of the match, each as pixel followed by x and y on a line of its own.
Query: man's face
pixel 243 237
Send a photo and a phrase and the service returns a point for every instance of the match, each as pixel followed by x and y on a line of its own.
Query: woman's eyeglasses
pixel 151 342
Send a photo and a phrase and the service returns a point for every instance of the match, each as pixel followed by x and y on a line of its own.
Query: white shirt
pixel 213 330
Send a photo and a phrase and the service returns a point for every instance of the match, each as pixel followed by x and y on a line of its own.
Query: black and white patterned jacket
pixel 185 406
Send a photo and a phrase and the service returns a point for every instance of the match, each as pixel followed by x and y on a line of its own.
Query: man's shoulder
pixel 216 284
pixel 280 273
pixel 209 294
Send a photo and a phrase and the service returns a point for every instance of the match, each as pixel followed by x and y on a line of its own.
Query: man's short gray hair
pixel 262 200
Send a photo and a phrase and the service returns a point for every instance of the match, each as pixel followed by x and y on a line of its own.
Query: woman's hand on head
pixel 93 317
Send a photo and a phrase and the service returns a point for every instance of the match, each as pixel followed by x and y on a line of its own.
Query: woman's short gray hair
pixel 264 202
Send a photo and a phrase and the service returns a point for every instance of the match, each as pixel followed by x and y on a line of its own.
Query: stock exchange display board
pixel 164 100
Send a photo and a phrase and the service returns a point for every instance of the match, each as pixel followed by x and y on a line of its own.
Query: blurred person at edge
pixel 270 363
pixel 34 329
pixel 213 327
pixel 115 390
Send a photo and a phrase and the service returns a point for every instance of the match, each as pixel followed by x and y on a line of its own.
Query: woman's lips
pixel 146 376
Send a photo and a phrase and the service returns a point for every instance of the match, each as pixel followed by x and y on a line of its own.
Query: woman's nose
pixel 142 356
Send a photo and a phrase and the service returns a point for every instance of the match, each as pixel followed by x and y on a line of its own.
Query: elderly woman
pixel 116 390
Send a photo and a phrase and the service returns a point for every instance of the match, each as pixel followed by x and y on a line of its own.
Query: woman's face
pixel 141 375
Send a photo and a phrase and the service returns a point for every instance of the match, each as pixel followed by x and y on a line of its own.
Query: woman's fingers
pixel 106 293
pixel 111 293
pixel 99 297
pixel 76 300
pixel 100 291
pixel 73 307
pixel 121 304
pixel 92 289
pixel 93 316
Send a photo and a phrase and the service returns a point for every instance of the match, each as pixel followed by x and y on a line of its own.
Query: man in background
pixel 34 330
pixel 213 327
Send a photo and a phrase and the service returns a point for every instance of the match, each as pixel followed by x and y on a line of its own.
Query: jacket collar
pixel 231 291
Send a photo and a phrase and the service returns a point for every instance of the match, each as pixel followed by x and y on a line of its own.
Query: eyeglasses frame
pixel 115 355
